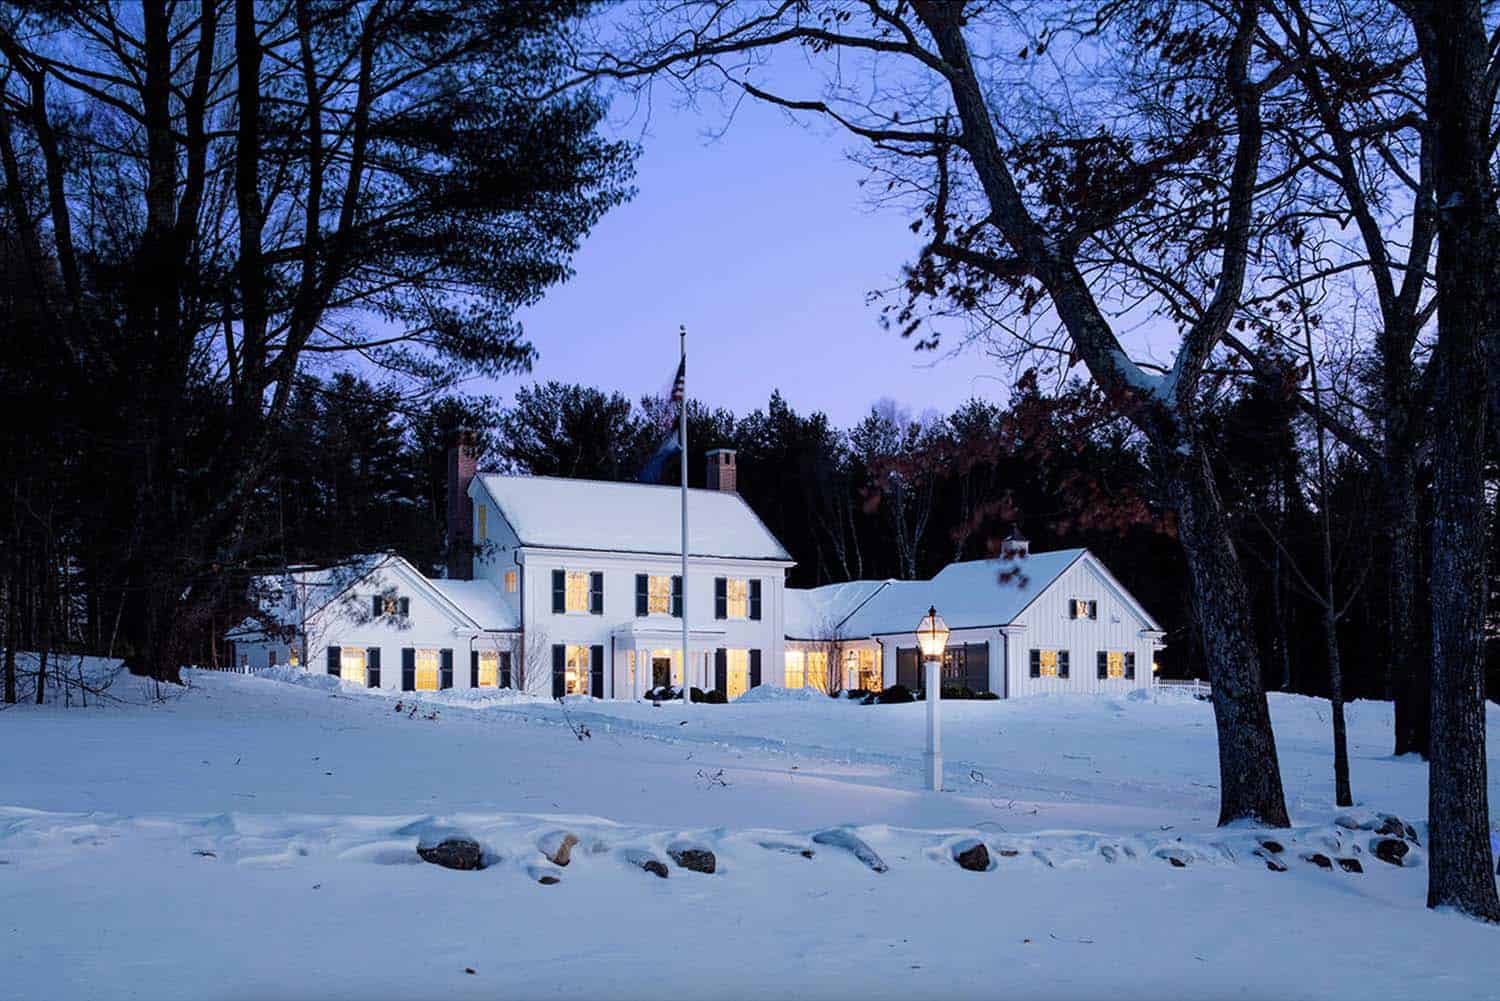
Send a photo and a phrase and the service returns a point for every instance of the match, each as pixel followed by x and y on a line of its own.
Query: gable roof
pixel 820 613
pixel 556 513
pixel 968 595
pixel 477 602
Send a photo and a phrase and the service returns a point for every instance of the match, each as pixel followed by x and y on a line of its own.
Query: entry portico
pixel 649 655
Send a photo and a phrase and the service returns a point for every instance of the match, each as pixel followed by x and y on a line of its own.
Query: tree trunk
pixel 1342 793
pixel 12 636
pixel 1454 48
pixel 1249 775
pixel 1406 673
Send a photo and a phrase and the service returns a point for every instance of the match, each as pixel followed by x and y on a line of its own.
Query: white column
pixel 934 725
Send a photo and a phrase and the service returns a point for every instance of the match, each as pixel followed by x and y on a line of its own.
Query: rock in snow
pixel 453 853
pixel 558 846
pixel 1391 850
pixel 975 857
pixel 842 837
pixel 695 859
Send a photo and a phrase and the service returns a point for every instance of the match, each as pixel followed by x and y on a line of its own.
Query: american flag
pixel 679 384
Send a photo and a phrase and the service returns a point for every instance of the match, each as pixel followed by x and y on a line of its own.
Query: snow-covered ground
pixel 252 838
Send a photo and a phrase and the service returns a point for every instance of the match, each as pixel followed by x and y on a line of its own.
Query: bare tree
pixel 1025 195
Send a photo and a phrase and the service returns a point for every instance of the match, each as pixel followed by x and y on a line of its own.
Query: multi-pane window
pixel 796 669
pixel 1083 608
pixel 427 670
pixel 577 593
pixel 817 670
pixel 1049 663
pixel 1115 664
pixel 352 664
pixel 510 581
pixel 489 669
pixel 737 681
pixel 860 673
pixel 577 665
pixel 737 592
pixel 659 594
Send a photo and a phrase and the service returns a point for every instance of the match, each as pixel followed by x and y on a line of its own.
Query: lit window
pixel 817 670
pixel 484 523
pixel 738 680
pixel 659 595
pixel 427 670
pixel 796 669
pixel 578 669
pixel 1083 608
pixel 737 591
pixel 510 581
pixel 352 664
pixel 293 659
pixel 1048 663
pixel 489 669
pixel 859 669
pixel 577 599
pixel 1116 664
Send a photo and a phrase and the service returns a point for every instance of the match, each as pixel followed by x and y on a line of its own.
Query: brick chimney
pixel 722 470
pixel 462 464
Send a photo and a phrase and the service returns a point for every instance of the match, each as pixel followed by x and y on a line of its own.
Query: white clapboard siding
pixel 1045 625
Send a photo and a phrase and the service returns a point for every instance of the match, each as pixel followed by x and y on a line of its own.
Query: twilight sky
pixel 761 243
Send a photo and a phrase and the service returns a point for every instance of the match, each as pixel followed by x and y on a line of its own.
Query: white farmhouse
pixel 574 587
pixel 1021 624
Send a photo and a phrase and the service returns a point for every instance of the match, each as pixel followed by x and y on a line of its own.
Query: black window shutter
pixel 754 668
pixel 908 674
pixel 504 668
pixel 1036 663
pixel 408 669
pixel 1103 664
pixel 1130 666
pixel 677 596
pixel 377 606
pixel 596 593
pixel 445 668
pixel 596 671
pixel 642 596
pixel 335 666
pixel 1093 609
pixel 559 670
pixel 403 607
pixel 755 600
pixel 721 597
pixel 559 592
pixel 1072 608
pixel 473 668
pixel 1062 663
pixel 372 667
pixel 721 670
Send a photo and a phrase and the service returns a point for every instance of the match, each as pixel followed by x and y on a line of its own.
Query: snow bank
pixel 775 693
pixel 289 675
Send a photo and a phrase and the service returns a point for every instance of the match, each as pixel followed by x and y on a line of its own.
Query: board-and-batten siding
pixel 1048 627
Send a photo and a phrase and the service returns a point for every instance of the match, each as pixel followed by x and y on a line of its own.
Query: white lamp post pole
pixel 934 725
pixel 932 637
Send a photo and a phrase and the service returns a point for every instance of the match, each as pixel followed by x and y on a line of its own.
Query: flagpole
pixel 687 681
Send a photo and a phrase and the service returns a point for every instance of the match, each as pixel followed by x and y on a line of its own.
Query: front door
pixel 661 672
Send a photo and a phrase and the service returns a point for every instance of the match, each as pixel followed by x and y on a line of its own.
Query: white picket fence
pixel 1196 687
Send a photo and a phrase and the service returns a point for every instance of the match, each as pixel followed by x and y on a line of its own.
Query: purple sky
pixel 761 242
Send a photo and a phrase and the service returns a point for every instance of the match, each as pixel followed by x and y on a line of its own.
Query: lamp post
pixel 932 637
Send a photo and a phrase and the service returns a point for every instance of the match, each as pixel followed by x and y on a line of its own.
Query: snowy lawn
pixel 251 838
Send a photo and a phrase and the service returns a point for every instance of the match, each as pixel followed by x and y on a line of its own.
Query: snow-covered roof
pixel 601 515
pixel 819 613
pixel 285 598
pixel 972 594
pixel 480 600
